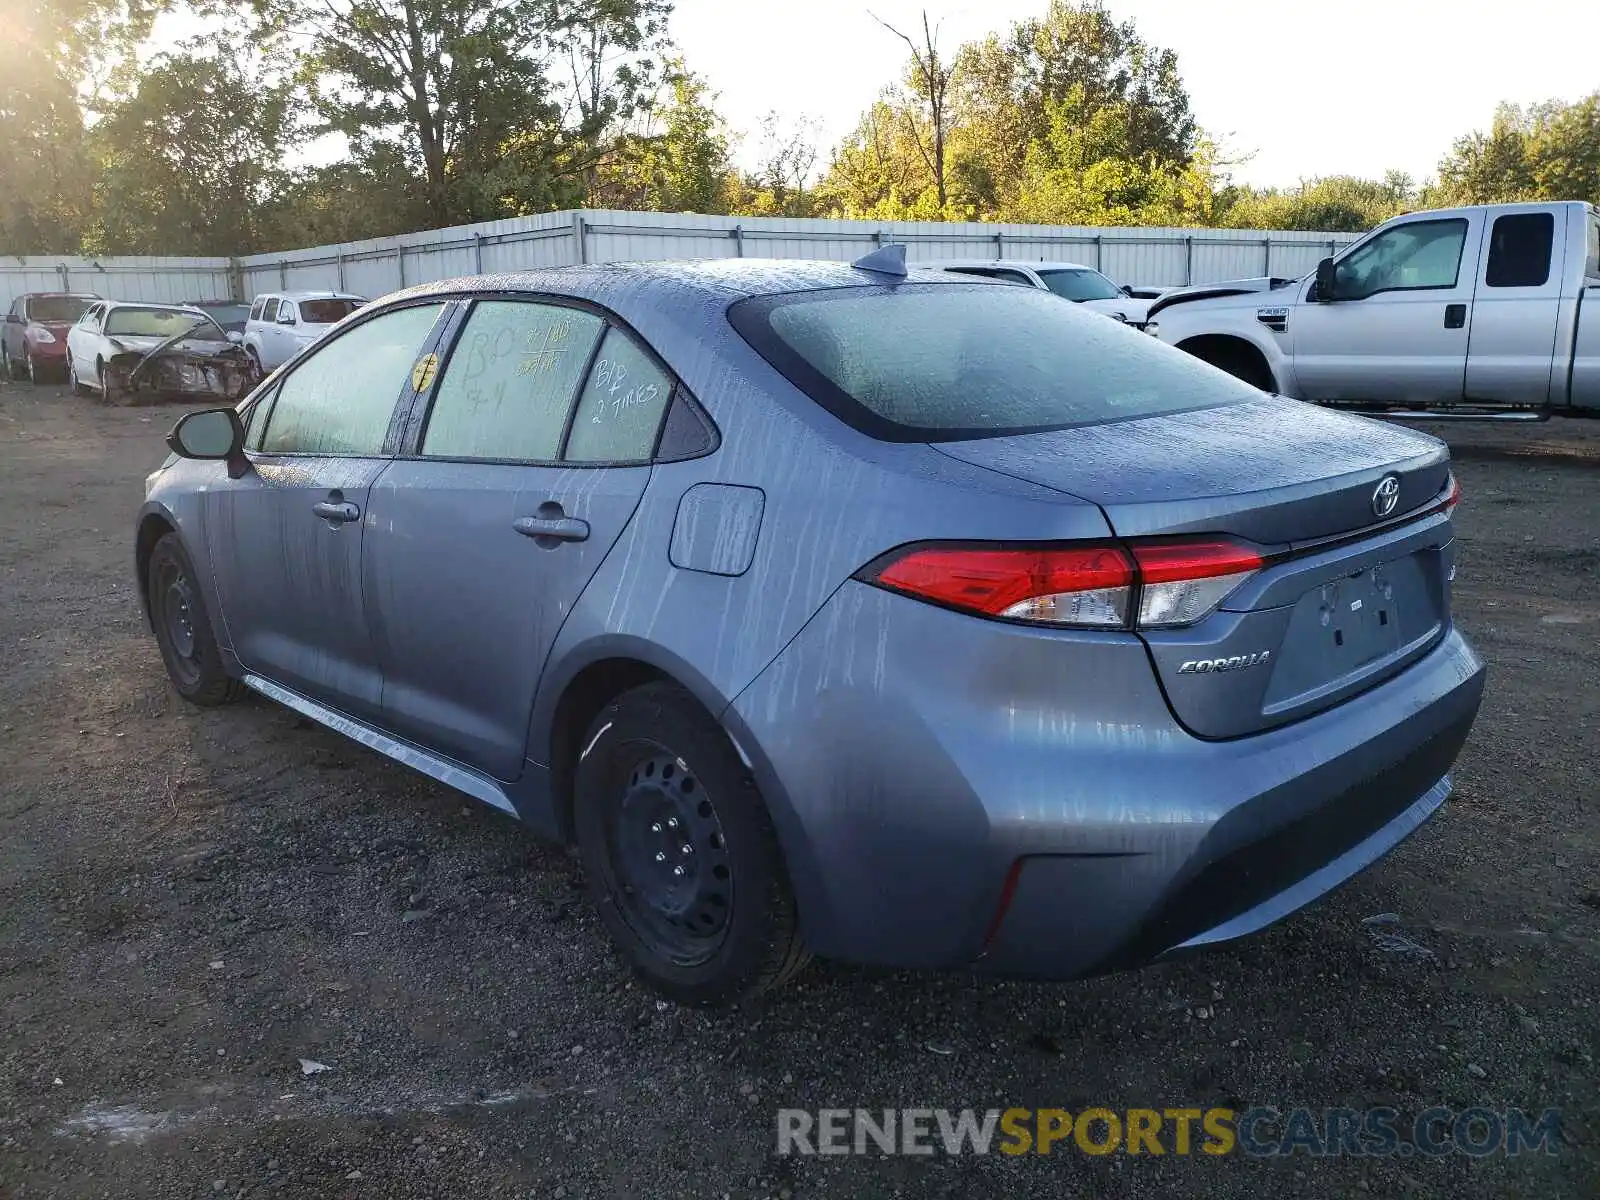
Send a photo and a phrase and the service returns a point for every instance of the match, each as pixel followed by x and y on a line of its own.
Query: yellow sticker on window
pixel 422 374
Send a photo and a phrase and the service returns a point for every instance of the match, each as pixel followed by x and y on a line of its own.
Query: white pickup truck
pixel 1490 310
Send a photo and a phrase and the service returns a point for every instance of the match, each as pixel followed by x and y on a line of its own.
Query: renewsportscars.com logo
pixel 1261 1132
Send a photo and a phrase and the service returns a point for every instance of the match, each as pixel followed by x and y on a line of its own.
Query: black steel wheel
pixel 679 853
pixel 669 857
pixel 183 628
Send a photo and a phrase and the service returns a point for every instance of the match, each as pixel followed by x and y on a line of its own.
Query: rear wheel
pixel 679 853
pixel 183 627
pixel 1239 359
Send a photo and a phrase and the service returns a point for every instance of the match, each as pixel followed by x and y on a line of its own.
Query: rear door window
pixel 1519 250
pixel 620 411
pixel 339 400
pixel 509 386
pixel 950 362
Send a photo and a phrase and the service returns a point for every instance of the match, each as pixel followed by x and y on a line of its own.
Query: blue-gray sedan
pixel 883 615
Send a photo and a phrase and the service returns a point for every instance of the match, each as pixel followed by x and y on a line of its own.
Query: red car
pixel 35 338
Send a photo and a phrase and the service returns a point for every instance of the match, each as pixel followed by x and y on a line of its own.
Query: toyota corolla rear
pixel 1055 757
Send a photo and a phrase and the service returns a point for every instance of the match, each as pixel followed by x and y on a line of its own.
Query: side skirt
pixel 451 774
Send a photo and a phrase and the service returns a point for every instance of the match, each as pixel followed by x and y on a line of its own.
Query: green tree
pixel 191 155
pixel 1337 203
pixel 677 160
pixel 1548 151
pixel 464 91
pixel 50 53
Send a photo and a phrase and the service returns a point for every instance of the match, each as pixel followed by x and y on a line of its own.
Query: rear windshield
pixel 57 309
pixel 326 312
pixel 949 362
pixel 1077 283
pixel 156 322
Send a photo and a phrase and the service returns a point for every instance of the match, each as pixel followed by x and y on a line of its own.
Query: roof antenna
pixel 886 260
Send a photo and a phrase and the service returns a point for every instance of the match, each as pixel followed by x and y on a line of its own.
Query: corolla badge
pixel 1386 495
pixel 1236 662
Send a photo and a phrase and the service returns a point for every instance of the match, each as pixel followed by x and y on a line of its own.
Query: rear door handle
pixel 339 512
pixel 557 529
pixel 1455 316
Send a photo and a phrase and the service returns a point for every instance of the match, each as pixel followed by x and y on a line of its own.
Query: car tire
pixel 257 374
pixel 107 395
pixel 8 369
pixel 679 853
pixel 183 627
pixel 28 371
pixel 72 379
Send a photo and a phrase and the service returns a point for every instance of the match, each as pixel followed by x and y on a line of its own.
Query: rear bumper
pixel 955 792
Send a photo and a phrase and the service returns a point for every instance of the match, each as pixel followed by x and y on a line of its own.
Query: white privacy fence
pixel 169 280
pixel 372 268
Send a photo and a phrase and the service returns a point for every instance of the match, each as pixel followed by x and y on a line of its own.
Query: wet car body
pixel 1049 786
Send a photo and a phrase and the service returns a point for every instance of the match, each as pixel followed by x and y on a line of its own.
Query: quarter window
pixel 509 386
pixel 1519 250
pixel 1420 254
pixel 620 410
pixel 339 400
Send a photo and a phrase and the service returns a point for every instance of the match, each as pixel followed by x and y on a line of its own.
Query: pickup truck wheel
pixel 1239 359
pixel 679 854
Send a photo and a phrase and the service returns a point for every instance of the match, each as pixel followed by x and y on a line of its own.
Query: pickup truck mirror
pixel 14 319
pixel 1127 289
pixel 1327 281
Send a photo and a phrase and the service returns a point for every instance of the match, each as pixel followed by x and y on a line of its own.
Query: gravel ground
pixel 191 902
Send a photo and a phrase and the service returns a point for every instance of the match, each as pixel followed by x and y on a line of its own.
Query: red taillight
pixel 1452 497
pixel 1175 562
pixel 1071 585
pixel 1157 584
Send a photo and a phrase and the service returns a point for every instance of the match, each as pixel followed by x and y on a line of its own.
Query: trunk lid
pixel 1352 594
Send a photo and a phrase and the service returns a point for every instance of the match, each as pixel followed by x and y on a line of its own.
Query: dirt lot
pixel 191 902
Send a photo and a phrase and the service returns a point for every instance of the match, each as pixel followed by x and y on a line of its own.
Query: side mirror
pixel 1127 290
pixel 235 337
pixel 1327 281
pixel 213 433
pixel 14 319
pixel 286 318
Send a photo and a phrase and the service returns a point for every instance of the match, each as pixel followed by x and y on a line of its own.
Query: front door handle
pixel 339 512
pixel 556 529
pixel 1455 316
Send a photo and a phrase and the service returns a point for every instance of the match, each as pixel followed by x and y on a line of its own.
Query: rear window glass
pixel 326 312
pixel 58 309
pixel 932 362
pixel 1080 284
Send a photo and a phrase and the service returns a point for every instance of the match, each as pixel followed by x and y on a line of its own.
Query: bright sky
pixel 1310 87
pixel 1313 87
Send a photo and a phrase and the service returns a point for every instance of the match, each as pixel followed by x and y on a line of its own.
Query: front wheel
pixel 679 853
pixel 183 627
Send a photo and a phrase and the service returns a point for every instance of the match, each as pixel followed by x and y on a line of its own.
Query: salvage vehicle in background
pixel 1071 281
pixel 903 618
pixel 1491 311
pixel 132 352
pixel 34 341
pixel 281 324
pixel 230 314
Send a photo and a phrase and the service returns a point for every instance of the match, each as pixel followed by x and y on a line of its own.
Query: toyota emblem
pixel 1386 495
